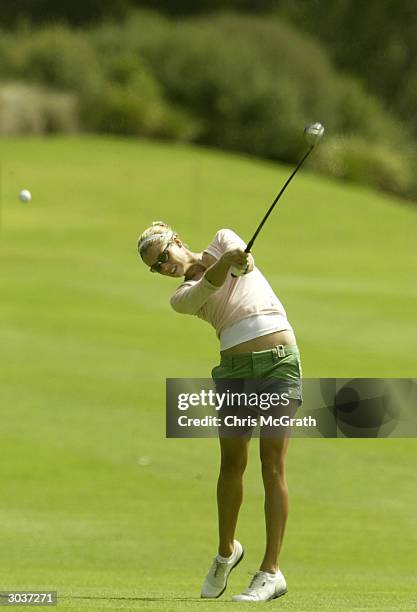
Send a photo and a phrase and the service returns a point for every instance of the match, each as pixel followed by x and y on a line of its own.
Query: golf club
pixel 312 134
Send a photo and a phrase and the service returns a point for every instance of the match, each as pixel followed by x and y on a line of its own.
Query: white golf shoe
pixel 263 587
pixel 215 582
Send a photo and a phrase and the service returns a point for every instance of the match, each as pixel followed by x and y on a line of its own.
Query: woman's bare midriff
pixel 263 343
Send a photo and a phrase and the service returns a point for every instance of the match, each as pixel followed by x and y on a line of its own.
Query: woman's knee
pixel 232 465
pixel 273 460
pixel 273 467
pixel 234 456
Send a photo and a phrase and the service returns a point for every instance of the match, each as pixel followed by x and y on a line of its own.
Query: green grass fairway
pixel 95 502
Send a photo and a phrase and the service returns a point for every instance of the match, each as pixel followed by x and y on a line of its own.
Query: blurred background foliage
pixel 233 74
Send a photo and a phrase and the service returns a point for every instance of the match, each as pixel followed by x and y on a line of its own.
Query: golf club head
pixel 313 133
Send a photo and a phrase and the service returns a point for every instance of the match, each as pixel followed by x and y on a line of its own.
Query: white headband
pixel 142 244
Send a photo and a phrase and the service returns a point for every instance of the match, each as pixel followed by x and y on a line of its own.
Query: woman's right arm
pixel 190 296
pixel 217 273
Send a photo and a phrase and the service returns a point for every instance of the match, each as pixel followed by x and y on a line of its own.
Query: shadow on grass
pixel 110 598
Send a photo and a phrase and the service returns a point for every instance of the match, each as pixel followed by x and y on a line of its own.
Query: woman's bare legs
pixel 234 456
pixel 272 453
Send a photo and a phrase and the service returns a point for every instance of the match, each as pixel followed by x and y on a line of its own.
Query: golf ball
pixel 25 195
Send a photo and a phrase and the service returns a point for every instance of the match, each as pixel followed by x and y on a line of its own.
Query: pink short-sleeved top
pixel 237 299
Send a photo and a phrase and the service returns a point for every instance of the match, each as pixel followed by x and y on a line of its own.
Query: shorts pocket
pixel 288 368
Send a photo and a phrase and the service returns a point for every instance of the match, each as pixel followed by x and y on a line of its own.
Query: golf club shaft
pixel 300 163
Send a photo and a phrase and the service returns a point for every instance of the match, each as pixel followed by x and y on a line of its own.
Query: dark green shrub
pixel 56 56
pixel 119 48
pixel 116 91
pixel 361 113
pixel 254 83
pixel 361 161
pixel 124 108
pixel 240 77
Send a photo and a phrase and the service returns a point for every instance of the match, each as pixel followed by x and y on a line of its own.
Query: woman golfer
pixel 256 342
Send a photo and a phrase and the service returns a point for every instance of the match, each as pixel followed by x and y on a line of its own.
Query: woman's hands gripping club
pixel 236 259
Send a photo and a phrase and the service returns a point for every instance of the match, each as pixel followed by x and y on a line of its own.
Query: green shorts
pixel 274 371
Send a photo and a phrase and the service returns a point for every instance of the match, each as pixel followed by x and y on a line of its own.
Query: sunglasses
pixel 163 257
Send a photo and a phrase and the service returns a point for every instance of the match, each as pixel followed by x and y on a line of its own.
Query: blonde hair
pixel 158 231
